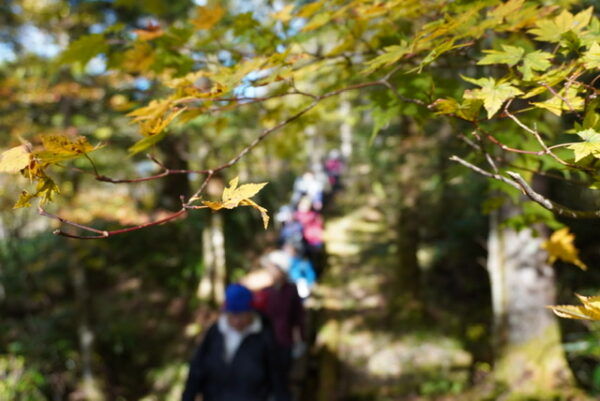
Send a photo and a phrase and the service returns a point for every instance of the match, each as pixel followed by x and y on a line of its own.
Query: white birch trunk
pixel 529 357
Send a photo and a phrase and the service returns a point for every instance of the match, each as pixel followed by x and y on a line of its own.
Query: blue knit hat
pixel 238 299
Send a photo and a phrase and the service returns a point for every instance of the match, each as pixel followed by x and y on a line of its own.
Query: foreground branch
pixel 519 183
pixel 104 233
pixel 187 204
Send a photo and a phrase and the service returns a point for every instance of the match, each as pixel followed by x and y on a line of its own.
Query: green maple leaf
pixel 551 30
pixel 535 61
pixel 84 49
pixel 493 93
pixel 563 101
pixel 589 146
pixel 591 58
pixel 510 55
pixel 390 56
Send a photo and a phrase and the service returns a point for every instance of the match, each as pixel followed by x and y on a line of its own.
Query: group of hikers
pixel 249 353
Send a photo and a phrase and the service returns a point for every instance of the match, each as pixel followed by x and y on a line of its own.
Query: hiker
pixel 313 231
pixel 308 185
pixel 237 360
pixel 292 232
pixel 301 271
pixel 333 168
pixel 283 307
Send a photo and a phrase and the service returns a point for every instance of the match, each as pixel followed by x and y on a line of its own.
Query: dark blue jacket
pixel 252 375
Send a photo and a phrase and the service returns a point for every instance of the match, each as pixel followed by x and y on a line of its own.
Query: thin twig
pixel 547 150
pixel 104 233
pixel 564 99
pixel 484 172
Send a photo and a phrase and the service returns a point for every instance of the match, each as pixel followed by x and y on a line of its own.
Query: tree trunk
pixel 89 386
pixel 214 277
pixel 408 274
pixel 345 130
pixel 528 355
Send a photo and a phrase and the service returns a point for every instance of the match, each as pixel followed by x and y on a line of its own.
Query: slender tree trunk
pixel 214 277
pixel 529 357
pixel 90 386
pixel 408 272
pixel 212 284
pixel 345 131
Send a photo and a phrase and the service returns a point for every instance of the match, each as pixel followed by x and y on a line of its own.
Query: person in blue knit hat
pixel 237 360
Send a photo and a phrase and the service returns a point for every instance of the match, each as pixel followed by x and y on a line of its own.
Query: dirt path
pixel 363 352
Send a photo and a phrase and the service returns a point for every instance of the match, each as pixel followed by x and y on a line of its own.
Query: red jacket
pixel 283 307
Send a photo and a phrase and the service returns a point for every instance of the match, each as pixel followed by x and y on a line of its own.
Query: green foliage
pixel 17 381
pixel 84 49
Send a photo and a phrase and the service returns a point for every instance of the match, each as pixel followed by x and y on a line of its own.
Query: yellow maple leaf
pixel 157 125
pixel 207 17
pixel 234 196
pixel 15 159
pixel 285 14
pixel 561 246
pixel 61 147
pixel 590 310
pixel 263 211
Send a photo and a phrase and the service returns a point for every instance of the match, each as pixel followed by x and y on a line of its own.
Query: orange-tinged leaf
pixel 14 160
pixel 207 17
pixel 213 205
pixel 561 246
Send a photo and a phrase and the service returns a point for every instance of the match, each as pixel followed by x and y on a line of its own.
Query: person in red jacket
pixel 283 307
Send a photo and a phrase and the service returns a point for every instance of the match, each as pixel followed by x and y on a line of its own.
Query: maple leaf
pixel 285 14
pixel 591 58
pixel 590 310
pixel 84 49
pixel 589 146
pixel 207 17
pixel 506 9
pixel 15 159
pixel 493 93
pixel 552 30
pixel 535 61
pixel 562 101
pixel 510 55
pixel 234 196
pixel 561 246
pixel 391 55
pixel 60 147
pixel 45 190
pixel 468 110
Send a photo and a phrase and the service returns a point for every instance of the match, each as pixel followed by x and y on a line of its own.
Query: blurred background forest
pixel 404 309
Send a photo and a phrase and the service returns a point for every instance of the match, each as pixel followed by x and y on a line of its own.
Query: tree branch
pixel 519 183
